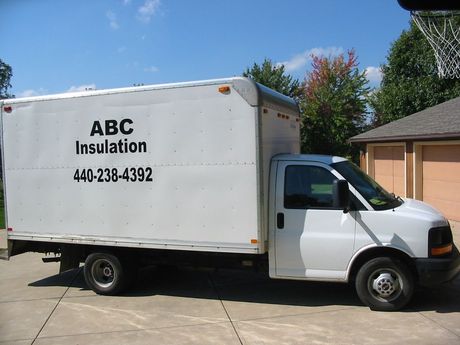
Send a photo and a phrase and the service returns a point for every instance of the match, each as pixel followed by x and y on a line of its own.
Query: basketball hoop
pixel 442 30
pixel 439 21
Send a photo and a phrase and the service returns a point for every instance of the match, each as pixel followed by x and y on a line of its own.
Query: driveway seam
pixel 13 340
pixel 297 314
pixel 225 309
pixel 438 324
pixel 52 312
pixel 134 330
pixel 30 300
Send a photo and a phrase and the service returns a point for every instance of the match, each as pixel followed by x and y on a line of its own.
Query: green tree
pixel 334 105
pixel 410 81
pixel 5 76
pixel 274 77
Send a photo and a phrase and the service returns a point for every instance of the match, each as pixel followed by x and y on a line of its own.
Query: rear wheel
pixel 104 274
pixel 385 284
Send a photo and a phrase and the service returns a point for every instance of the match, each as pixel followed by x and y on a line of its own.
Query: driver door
pixel 312 238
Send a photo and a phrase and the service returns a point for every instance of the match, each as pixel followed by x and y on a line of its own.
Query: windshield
pixel 375 195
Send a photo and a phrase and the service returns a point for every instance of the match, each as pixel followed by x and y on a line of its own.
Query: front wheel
pixel 104 274
pixel 385 284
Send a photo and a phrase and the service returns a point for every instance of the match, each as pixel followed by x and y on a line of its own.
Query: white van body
pixel 206 172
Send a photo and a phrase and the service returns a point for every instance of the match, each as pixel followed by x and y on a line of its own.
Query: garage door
pixel 441 178
pixel 389 168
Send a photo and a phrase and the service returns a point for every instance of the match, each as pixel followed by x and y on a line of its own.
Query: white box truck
pixel 206 173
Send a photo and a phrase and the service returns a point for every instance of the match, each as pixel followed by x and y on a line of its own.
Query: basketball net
pixel 442 29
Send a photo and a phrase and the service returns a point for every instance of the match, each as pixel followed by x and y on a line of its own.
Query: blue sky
pixel 62 45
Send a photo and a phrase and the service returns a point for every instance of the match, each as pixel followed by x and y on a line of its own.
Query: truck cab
pixel 332 222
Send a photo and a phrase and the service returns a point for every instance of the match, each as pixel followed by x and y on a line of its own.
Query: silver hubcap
pixel 385 285
pixel 103 273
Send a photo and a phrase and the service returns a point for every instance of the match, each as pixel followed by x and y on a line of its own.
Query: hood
pixel 417 208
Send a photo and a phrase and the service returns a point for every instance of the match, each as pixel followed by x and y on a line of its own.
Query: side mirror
pixel 340 195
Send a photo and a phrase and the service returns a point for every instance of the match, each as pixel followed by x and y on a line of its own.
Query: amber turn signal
pixel 224 89
pixel 441 250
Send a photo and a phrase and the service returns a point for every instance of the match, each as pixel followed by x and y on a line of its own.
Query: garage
pixel 441 178
pixel 389 168
pixel 418 156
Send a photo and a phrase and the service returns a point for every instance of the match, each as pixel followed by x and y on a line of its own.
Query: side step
pixel 51 259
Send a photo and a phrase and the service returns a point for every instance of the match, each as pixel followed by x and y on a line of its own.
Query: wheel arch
pixel 366 254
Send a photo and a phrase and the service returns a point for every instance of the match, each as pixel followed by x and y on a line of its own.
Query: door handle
pixel 280 220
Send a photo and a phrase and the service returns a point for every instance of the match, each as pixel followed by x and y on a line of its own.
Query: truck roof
pixel 254 93
pixel 307 157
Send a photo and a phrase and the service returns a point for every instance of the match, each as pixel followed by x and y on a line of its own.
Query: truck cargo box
pixel 173 166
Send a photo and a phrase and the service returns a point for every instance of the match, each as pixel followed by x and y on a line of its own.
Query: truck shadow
pixel 254 287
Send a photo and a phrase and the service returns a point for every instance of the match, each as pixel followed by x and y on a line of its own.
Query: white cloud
pixel 148 10
pixel 151 69
pixel 133 64
pixel 121 49
pixel 296 62
pixel 32 93
pixel 374 74
pixel 86 87
pixel 112 17
pixel 299 61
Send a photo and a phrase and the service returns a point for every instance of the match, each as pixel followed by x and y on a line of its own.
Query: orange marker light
pixel 224 89
pixel 441 250
pixel 254 241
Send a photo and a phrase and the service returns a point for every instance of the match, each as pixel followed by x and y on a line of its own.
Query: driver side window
pixel 307 187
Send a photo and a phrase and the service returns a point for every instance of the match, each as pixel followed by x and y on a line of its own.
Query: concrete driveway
pixel 37 306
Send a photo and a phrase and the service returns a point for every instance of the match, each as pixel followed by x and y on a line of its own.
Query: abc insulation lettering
pixel 107 146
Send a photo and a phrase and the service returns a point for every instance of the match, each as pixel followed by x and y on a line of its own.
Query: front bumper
pixel 434 271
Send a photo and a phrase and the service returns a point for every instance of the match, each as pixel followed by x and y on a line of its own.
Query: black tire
pixel 104 274
pixel 385 284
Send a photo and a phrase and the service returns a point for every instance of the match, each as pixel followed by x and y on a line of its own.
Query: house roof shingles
pixel 440 121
